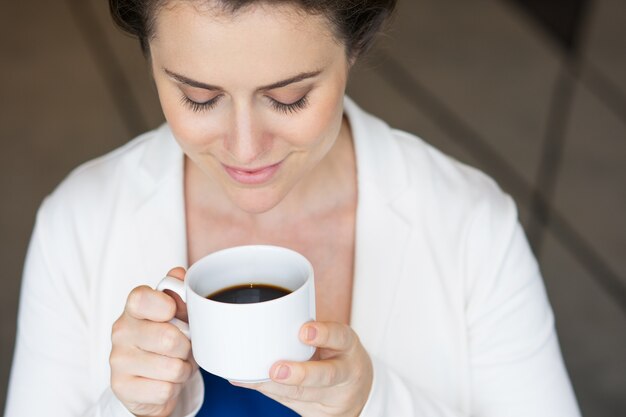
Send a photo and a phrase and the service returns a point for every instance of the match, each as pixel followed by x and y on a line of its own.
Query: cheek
pixel 319 123
pixel 192 130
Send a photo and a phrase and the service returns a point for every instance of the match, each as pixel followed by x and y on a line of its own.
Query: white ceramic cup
pixel 240 342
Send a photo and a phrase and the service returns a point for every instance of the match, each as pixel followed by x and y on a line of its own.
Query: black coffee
pixel 248 293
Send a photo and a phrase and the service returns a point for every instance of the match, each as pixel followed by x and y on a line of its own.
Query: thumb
pixel 181 307
pixel 178 272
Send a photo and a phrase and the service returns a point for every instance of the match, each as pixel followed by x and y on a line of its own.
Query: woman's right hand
pixel 150 359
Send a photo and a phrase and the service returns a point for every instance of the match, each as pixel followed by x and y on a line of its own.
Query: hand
pixel 150 358
pixel 337 384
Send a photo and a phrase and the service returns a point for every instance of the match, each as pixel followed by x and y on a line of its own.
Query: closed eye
pixel 291 107
pixel 200 107
pixel 285 108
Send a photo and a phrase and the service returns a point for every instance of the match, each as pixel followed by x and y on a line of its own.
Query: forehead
pixel 266 38
pixel 284 16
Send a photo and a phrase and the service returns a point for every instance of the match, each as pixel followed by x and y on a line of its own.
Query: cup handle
pixel 177 286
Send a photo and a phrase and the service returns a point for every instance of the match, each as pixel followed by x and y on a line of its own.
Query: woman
pixel 429 300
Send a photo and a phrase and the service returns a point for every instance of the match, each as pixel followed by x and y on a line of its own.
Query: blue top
pixel 225 400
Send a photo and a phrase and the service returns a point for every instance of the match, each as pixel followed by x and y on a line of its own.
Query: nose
pixel 246 140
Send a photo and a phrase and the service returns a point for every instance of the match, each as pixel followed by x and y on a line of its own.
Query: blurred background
pixel 533 92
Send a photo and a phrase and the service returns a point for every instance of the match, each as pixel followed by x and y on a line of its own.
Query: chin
pixel 255 202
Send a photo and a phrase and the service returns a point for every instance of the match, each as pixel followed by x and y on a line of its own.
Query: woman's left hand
pixel 337 383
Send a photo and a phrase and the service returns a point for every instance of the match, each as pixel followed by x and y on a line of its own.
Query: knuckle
pixel 323 335
pixel 330 376
pixel 299 374
pixel 339 338
pixel 164 392
pixel 298 393
pixel 346 338
pixel 117 331
pixel 168 307
pixel 170 337
pixel 133 303
pixel 355 346
pixel 118 386
pixel 186 371
pixel 184 345
pixel 177 369
pixel 115 361
pixel 359 373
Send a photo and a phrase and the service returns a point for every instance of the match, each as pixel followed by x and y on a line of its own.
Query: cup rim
pixel 192 292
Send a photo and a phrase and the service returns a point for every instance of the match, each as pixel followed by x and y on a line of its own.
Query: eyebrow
pixel 193 83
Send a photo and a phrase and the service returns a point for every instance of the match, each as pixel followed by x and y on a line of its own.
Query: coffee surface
pixel 248 293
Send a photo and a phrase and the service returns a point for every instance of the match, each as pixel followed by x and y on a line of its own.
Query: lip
pixel 253 176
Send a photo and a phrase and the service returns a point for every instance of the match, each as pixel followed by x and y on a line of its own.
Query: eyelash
pixel 200 107
pixel 290 108
pixel 276 105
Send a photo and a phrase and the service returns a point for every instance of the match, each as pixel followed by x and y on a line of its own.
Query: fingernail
pixel 282 372
pixel 311 333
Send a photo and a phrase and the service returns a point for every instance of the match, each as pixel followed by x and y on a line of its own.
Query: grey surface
pixel 605 43
pixel 55 113
pixel 74 87
pixel 489 67
pixel 591 331
pixel 592 182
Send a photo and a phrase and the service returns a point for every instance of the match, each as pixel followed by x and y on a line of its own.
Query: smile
pixel 252 176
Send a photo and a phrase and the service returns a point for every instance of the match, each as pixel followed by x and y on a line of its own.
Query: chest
pixel 326 241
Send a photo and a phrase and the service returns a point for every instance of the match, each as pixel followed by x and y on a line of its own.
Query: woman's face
pixel 255 98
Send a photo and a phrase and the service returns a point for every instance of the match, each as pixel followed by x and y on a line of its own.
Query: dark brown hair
pixel 354 22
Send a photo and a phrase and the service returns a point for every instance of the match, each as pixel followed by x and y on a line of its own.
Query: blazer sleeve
pixel 52 371
pixel 516 364
pixel 392 396
pixel 516 368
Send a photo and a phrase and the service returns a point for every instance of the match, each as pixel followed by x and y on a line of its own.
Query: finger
pixel 145 303
pixel 144 390
pixel 320 374
pixel 178 272
pixel 248 385
pixel 163 339
pixel 160 338
pixel 181 307
pixel 151 366
pixel 286 394
pixel 328 335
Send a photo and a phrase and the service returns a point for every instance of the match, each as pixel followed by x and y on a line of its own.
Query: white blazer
pixel 447 299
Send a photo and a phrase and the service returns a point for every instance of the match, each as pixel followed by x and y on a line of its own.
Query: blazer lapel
pixel 382 226
pixel 381 236
pixel 159 219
